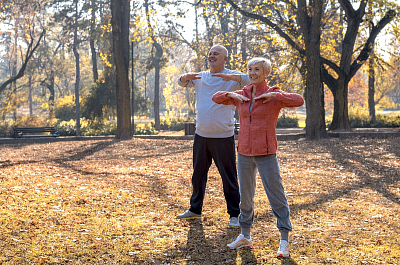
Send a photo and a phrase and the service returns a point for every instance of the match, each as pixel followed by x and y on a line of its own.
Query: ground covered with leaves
pixel 115 202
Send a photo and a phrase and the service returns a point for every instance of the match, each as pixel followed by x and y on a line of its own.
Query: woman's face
pixel 256 73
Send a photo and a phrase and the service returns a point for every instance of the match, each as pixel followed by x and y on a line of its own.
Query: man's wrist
pixel 181 78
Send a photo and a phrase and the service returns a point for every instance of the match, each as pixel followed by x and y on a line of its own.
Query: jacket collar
pixel 261 89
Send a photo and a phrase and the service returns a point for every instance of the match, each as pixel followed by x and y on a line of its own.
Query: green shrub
pixel 65 108
pixel 5 129
pixel 65 128
pixel 94 127
pixel 97 127
pixel 31 121
pixel 174 124
pixel 145 129
pixel 27 121
pixel 287 122
pixel 359 118
pixel 382 121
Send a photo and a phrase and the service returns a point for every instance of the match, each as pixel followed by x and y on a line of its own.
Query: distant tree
pixel 120 12
pixel 309 19
pixel 387 81
pixel 101 101
pixel 77 69
pixel 371 72
pixel 18 22
pixel 32 46
pixel 156 63
pixel 337 69
pixel 358 89
pixel 92 38
pixel 68 14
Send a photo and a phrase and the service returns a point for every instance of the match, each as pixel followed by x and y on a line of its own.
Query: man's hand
pixel 237 96
pixel 267 96
pixel 189 76
pixel 229 77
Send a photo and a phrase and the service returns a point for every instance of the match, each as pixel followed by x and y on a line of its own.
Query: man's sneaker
pixel 283 251
pixel 240 242
pixel 189 215
pixel 234 222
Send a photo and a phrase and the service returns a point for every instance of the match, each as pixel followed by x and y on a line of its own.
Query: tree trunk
pixel 244 40
pixel 315 119
pixel 77 72
pixel 348 64
pixel 157 68
pixel 133 88
pixel 371 87
pixel 157 124
pixel 310 26
pixel 92 45
pixel 210 35
pixel 120 32
pixel 14 73
pixel 51 97
pixel 340 119
pixel 340 91
pixel 227 37
pixel 197 44
pixel 14 93
pixel 309 17
pixel 30 96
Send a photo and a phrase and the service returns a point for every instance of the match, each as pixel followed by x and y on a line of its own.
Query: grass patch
pixel 115 202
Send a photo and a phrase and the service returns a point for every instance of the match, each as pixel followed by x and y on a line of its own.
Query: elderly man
pixel 214 139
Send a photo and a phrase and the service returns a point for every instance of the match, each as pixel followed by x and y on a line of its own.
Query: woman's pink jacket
pixel 257 129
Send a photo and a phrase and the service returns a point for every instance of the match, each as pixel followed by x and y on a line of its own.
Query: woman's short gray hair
pixel 266 64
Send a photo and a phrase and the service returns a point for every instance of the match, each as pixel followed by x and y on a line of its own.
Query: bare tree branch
pixel 28 56
pixel 366 51
pixel 270 24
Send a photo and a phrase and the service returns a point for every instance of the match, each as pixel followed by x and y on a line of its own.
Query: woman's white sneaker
pixel 240 242
pixel 283 251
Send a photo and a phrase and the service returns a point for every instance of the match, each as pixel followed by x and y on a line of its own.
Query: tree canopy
pixel 316 47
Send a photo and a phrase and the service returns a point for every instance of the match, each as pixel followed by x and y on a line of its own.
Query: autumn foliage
pixel 358 93
pixel 115 202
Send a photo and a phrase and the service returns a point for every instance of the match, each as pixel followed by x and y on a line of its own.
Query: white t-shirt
pixel 214 120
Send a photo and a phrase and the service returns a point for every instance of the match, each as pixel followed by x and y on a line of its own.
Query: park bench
pixel 20 132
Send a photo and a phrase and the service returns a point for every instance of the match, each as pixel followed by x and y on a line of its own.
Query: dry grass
pixel 115 202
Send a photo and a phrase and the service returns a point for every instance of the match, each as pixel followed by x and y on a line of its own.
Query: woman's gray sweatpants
pixel 268 169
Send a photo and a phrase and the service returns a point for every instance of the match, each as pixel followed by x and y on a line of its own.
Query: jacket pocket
pixel 259 142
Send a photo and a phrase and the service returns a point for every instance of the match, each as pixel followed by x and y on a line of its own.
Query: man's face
pixel 217 57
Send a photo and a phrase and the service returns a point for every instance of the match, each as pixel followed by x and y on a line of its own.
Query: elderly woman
pixel 259 106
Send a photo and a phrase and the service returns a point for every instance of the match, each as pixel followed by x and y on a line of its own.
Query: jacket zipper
pixel 251 150
pixel 250 135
